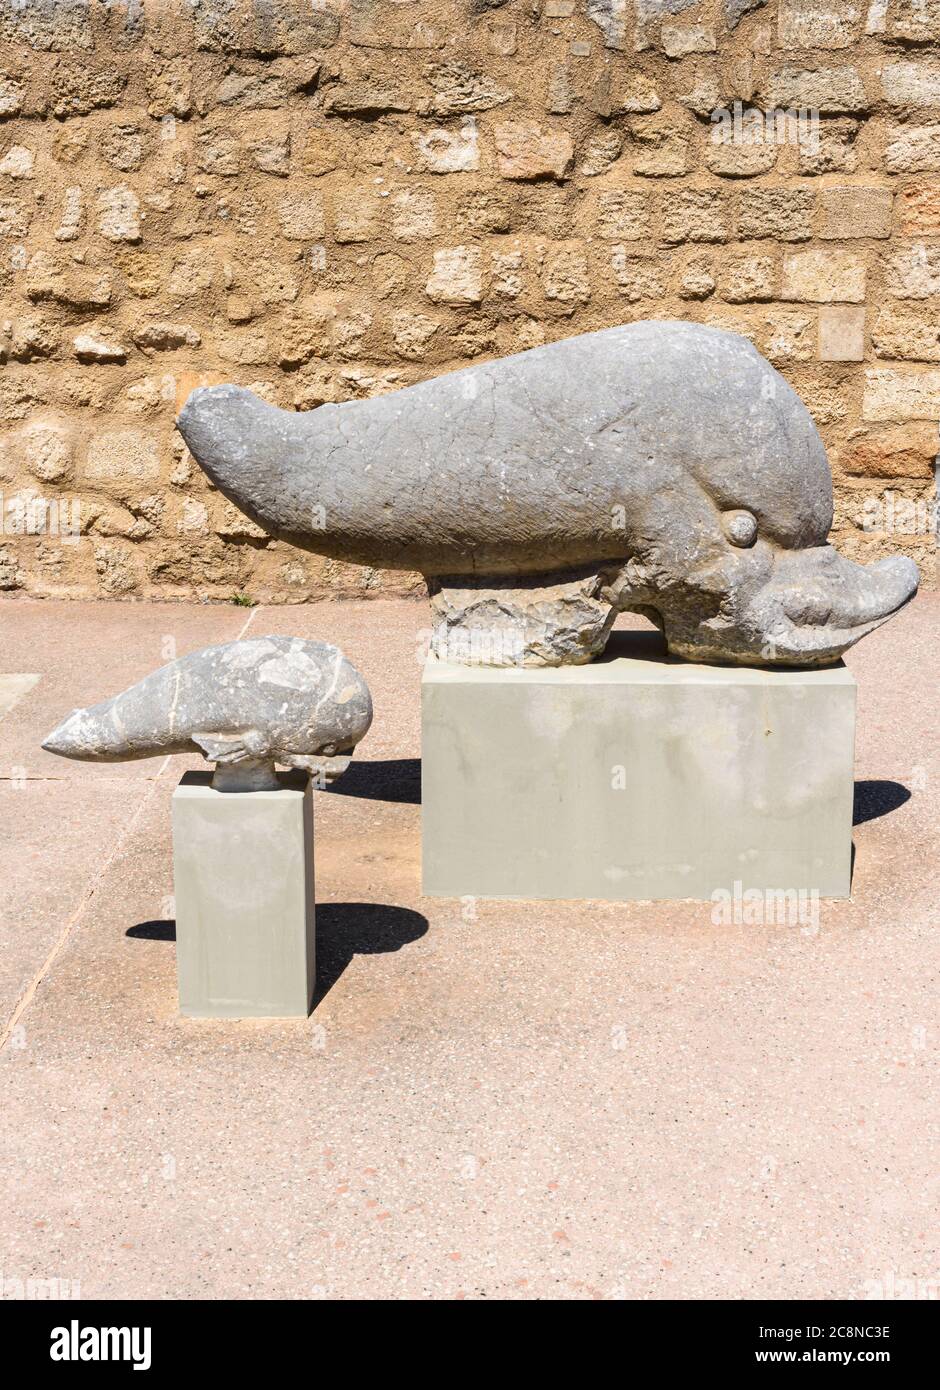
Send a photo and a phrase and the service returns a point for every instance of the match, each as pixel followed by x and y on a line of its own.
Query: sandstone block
pixel 301 216
pixel 789 336
pixel 911 334
pixel 841 334
pixel 442 151
pixel 565 275
pixel 913 150
pixel 894 394
pixel 662 147
pixel 918 208
pixel 525 151
pixel 915 83
pixel 679 40
pixel 825 89
pixel 898 451
pixel 855 211
pixel 782 213
pixel 913 272
pixel 47 451
pixel 457 277
pixel 748 279
pixel 694 214
pixel 412 334
pixel 119 214
pixel 623 214
pixel 819 23
pixel 122 459
pixel 414 215
pixel 824 277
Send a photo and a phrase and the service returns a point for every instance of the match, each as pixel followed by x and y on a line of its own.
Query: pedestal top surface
pixel 637 658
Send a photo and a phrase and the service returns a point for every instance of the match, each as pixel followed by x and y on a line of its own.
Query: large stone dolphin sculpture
pixel 661 467
pixel 244 705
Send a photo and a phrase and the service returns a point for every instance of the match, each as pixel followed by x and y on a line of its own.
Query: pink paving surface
pixel 541 1100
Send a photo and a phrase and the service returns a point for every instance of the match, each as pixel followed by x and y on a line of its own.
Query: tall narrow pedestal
pixel 243 876
pixel 636 777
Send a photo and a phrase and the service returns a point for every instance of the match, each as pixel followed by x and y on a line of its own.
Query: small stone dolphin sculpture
pixel 664 468
pixel 245 705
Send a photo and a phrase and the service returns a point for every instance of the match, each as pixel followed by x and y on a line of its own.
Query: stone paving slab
pixel 553 1100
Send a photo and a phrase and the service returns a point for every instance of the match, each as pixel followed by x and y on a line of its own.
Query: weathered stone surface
pixel 244 705
pixel 782 213
pixel 833 149
pixel 892 394
pixel 119 214
pixel 661 145
pixel 301 215
pixel 825 89
pixel 841 334
pixel 441 151
pixel 78 88
pixel 277 27
pixel 461 88
pixel 707 507
pixel 623 214
pixel 123 459
pixel 525 151
pixel 611 18
pixel 824 277
pixel 819 23
pixel 913 150
pixel 211 167
pixel 915 84
pixel 918 208
pixel 735 10
pixel 913 272
pixel 908 334
pixel 855 211
pixel 734 159
pixel 900 451
pixel 457 277
pixel 47 278
pixel 367 99
pixel 94 347
pixel 750 278
pixel 554 624
pixel 695 215
pixel 679 40
pixel 914 21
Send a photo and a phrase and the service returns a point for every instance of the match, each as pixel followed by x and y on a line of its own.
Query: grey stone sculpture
pixel 244 705
pixel 664 468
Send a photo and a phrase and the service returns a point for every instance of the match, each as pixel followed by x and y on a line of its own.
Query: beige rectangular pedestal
pixel 636 776
pixel 243 880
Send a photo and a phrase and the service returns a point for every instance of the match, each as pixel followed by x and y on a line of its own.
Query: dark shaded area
pixel 345 930
pixel 646 644
pixel 874 799
pixel 395 779
pixel 153 931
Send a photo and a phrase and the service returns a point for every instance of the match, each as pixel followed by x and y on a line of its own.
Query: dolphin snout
pixel 817 603
pixel 63 738
pixel 79 735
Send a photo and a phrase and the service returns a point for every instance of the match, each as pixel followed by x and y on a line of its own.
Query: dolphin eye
pixel 740 527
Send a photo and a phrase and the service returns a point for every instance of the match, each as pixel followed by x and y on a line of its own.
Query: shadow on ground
pixel 395 779
pixel 344 930
pixel 874 799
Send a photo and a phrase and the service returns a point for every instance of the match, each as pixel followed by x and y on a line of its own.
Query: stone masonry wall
pixel 325 199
